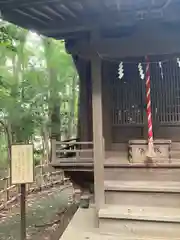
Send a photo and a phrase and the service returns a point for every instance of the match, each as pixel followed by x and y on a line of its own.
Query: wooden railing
pixel 72 150
pixel 45 177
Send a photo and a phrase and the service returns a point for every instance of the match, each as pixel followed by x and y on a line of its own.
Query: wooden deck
pixel 115 158
pixel 81 154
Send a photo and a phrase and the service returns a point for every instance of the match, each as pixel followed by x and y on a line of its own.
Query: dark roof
pixel 74 18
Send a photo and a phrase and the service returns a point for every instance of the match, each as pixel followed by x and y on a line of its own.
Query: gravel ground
pixel 42 209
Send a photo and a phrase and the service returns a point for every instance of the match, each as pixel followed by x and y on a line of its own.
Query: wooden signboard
pixel 22 164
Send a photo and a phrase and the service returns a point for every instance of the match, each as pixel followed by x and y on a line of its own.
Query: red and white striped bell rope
pixel 150 152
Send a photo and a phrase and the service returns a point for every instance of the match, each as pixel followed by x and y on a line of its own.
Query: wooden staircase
pixel 141 203
pixel 175 152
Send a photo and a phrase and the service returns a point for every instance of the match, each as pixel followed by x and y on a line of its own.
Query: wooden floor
pixel 118 156
pixel 115 158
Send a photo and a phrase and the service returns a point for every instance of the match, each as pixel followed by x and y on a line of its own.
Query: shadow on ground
pixel 42 210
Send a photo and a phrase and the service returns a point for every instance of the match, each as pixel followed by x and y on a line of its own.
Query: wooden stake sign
pixel 22 164
pixel 22 172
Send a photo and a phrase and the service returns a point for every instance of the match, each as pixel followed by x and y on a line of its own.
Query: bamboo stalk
pixel 29 189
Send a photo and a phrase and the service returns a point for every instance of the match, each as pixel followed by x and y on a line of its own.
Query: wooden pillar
pixel 106 106
pixel 83 131
pixel 97 131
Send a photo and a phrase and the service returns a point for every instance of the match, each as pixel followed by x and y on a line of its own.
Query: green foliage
pixel 6 39
pixel 36 75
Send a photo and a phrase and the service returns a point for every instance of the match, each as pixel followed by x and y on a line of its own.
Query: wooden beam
pixel 25 21
pixel 151 39
pixel 29 16
pixel 9 5
pixel 88 24
pixel 73 23
pixel 97 130
pixel 20 3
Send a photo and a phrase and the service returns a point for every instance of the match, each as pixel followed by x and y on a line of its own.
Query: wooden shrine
pixel 108 41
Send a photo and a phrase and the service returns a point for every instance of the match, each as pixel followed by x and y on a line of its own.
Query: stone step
pixel 157 194
pixel 147 222
pixel 133 173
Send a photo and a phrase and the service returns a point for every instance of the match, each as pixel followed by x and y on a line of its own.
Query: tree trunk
pixel 9 137
pixel 55 121
pixel 71 119
pixel 46 143
pixel 18 72
pixel 54 98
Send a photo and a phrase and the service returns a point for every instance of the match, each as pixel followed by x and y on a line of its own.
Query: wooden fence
pixel 72 151
pixel 45 177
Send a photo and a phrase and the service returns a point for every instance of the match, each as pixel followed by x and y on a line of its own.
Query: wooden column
pixel 106 106
pixel 97 131
pixel 84 78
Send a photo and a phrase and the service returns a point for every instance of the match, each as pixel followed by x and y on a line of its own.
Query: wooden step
pixel 83 226
pixel 143 213
pixel 143 186
pixel 166 194
pixel 141 221
pixel 175 145
pixel 133 173
pixel 113 236
pixel 175 154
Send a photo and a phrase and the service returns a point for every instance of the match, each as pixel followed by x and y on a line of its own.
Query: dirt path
pixel 42 209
